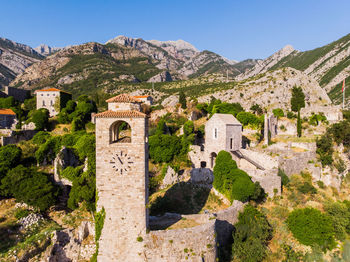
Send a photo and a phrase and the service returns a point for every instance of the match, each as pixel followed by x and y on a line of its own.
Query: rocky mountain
pixel 182 58
pixel 328 65
pixel 88 68
pixel 14 59
pixel 46 50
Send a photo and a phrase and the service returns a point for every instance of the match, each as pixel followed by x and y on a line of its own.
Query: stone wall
pixel 195 244
pixel 268 179
pixel 225 221
pixel 333 113
pixel 296 163
pixel 18 94
pixel 16 137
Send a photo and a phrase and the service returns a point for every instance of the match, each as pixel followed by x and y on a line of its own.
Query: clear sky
pixel 236 29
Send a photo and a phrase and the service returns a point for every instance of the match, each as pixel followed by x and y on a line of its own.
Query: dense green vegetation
pixel 232 182
pixel 310 226
pixel 251 235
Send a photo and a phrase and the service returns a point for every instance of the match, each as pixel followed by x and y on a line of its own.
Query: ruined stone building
pixel 224 132
pixel 18 94
pixel 52 99
pixel 8 119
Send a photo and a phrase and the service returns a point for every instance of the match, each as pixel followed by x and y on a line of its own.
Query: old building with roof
pixel 8 119
pixel 52 99
pixel 146 99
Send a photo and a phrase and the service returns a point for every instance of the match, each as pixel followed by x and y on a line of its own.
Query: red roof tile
pixel 7 112
pixel 49 90
pixel 141 96
pixel 123 98
pixel 121 114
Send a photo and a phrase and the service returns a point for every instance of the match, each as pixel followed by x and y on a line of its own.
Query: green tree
pixel 298 99
pixel 299 126
pixel 278 112
pixel 182 100
pixel 163 148
pixel 41 137
pixel 310 227
pixel 10 156
pixel 256 109
pixel 29 186
pixel 324 149
pixel 251 235
pixel 40 118
pixel 162 128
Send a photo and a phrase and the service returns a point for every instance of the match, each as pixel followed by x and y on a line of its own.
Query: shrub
pixel 40 118
pixel 299 126
pixel 78 124
pixel 284 177
pixel 71 173
pixel 10 156
pixel 325 149
pixel 83 190
pixel 298 99
pixel 278 112
pixel 306 188
pixel 309 226
pixel 225 108
pixel 85 145
pixel 188 128
pixel 30 186
pixel 41 137
pixel 20 213
pixel 163 148
pixel 251 236
pixel 256 109
pixel 291 115
pixel 49 150
pixel 247 118
pixel 340 216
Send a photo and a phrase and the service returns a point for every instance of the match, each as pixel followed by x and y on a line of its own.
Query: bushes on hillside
pixel 249 119
pixel 234 183
pixel 40 118
pixel 163 148
pixel 310 227
pixel 325 149
pixel 278 112
pixel 339 213
pixel 29 186
pixel 251 236
pixel 10 157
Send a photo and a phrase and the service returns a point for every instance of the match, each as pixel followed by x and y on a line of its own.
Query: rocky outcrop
pixel 46 50
pixel 14 59
pixel 263 66
pixel 171 177
pixel 161 77
pixel 30 220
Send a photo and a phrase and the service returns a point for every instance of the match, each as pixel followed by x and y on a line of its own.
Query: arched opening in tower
pixel 120 132
pixel 212 159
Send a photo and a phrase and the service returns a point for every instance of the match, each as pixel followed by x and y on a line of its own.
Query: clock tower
pixel 122 179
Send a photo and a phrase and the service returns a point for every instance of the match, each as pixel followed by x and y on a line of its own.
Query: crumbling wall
pixel 296 163
pixel 195 244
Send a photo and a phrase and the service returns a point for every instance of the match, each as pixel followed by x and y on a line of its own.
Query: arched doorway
pixel 120 132
pixel 212 159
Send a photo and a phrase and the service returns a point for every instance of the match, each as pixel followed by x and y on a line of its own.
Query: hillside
pixel 14 59
pixel 328 64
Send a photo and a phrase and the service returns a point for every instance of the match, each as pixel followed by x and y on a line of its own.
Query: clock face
pixel 121 162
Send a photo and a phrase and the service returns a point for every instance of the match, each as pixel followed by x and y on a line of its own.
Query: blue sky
pixel 235 29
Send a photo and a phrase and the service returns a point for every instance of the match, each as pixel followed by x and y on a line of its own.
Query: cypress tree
pixel 182 100
pixel 299 125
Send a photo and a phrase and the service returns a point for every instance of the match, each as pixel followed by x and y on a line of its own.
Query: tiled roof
pixel 7 112
pixel 141 96
pixel 51 89
pixel 121 114
pixel 48 89
pixel 123 98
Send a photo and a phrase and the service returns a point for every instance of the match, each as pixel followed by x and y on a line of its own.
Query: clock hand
pixel 120 160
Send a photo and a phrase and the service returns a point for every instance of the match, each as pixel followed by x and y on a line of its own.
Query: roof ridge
pixel 122 113
pixel 122 98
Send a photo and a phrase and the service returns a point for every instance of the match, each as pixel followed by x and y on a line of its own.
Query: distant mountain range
pixel 94 66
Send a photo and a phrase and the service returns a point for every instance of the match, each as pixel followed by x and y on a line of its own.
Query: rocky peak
pixel 264 65
pixel 46 50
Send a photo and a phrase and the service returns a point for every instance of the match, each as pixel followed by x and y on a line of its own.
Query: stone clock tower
pixel 122 179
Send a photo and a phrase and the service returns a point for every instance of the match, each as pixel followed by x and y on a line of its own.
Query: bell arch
pixel 120 132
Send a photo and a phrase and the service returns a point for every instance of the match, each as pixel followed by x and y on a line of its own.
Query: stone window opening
pixel 120 132
pixel 43 102
pixel 215 132
pixel 51 102
pixel 231 143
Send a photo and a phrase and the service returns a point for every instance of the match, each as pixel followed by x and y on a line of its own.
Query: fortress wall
pixel 195 244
